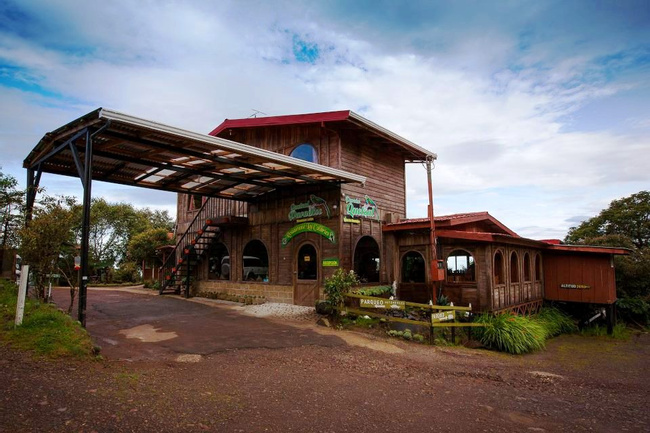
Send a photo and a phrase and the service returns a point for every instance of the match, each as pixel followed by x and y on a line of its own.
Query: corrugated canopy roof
pixel 133 151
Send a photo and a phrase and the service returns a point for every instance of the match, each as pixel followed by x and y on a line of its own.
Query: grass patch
pixel 555 322
pixel 512 334
pixel 620 331
pixel 46 331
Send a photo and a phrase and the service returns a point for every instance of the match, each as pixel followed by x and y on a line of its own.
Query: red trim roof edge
pixel 290 119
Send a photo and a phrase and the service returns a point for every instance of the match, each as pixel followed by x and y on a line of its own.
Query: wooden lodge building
pixel 284 243
pixel 272 206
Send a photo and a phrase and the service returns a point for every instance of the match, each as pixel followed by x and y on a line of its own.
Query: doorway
pixel 306 276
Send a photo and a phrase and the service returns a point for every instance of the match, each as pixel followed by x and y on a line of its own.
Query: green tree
pixel 49 239
pixel 113 225
pixel 624 223
pixel 11 207
pixel 143 245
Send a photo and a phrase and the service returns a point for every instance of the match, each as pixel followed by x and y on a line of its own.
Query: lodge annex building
pixel 283 244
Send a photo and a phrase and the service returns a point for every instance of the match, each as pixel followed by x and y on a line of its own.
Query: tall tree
pixel 11 207
pixel 624 223
pixel 49 239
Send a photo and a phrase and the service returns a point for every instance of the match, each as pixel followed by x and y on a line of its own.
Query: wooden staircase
pixel 179 270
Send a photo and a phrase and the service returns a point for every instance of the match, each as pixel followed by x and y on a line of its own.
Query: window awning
pixel 132 151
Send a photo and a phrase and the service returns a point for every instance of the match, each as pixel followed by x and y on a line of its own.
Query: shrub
pixel 374 291
pixel 555 322
pixel 510 333
pixel 338 285
pixel 442 300
pixel 635 310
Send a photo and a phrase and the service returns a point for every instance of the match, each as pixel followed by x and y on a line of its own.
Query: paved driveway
pixel 143 326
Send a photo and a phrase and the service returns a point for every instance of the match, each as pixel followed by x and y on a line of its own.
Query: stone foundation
pixel 272 292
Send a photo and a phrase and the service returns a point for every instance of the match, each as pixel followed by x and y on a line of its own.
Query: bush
pixel 555 322
pixel 338 285
pixel 374 291
pixel 635 310
pixel 127 273
pixel 510 333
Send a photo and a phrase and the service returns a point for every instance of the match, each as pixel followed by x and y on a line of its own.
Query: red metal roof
pixel 292 119
pixel 445 224
pixel 450 221
pixel 414 152
pixel 589 249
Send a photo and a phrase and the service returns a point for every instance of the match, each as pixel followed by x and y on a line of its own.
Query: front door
pixel 306 285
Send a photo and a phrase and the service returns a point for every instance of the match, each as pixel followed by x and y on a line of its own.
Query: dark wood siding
pixel 593 276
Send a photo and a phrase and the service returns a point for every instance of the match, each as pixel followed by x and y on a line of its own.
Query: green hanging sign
pixel 320 229
pixel 313 207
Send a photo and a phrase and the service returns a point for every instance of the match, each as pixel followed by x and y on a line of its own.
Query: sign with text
pixel 443 316
pixel 320 229
pixel 382 303
pixel 331 263
pixel 314 207
pixel 575 286
pixel 361 208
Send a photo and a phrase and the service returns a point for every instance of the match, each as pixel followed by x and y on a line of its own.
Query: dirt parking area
pixel 172 365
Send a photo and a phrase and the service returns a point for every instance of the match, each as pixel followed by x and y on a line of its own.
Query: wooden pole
pixel 432 233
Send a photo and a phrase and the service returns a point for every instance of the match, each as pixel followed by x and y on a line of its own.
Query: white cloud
pixel 500 131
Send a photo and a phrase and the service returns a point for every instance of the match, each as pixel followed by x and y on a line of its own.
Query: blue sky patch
pixel 304 51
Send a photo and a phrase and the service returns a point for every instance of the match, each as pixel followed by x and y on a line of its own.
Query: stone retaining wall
pixel 272 292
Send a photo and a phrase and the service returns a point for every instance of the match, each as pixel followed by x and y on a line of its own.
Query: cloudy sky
pixel 539 111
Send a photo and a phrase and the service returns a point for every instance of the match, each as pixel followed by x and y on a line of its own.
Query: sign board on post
pixel 443 316
pixel 382 303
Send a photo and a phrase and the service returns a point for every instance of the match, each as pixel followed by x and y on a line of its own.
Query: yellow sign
pixel 443 316
pixel 332 263
pixel 351 220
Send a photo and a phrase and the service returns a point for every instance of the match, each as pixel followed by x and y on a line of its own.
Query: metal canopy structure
pixel 133 151
pixel 123 149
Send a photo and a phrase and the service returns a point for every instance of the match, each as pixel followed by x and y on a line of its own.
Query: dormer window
pixel 306 152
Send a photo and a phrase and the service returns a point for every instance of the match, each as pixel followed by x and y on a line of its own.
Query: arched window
pixel 538 267
pixel 526 267
pixel 218 262
pixel 413 269
pixel 366 260
pixel 306 152
pixel 514 267
pixel 255 262
pixel 460 266
pixel 499 272
pixel 307 263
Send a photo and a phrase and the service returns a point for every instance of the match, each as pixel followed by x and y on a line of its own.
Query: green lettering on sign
pixel 314 207
pixel 332 263
pixel 361 208
pixel 382 303
pixel 320 229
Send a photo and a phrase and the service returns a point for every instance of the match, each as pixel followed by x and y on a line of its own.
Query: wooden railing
pixel 212 208
pixel 437 316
